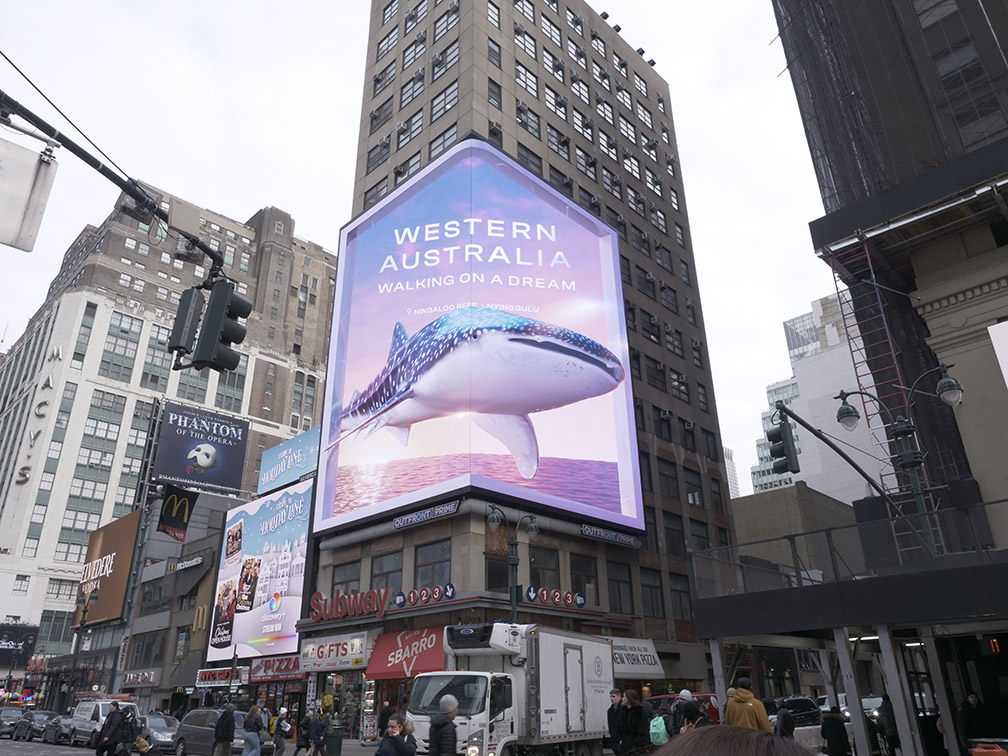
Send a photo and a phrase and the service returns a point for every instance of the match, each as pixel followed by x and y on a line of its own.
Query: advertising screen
pixel 290 461
pixel 200 449
pixel 107 568
pixel 478 340
pixel 260 576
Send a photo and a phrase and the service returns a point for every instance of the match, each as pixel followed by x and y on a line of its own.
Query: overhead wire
pixel 64 115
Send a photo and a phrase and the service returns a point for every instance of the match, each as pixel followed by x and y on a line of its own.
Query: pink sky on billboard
pixel 480 333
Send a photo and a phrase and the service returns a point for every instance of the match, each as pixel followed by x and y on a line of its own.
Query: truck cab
pixel 528 686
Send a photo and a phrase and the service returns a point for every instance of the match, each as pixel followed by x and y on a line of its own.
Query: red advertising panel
pixel 403 655
pixel 479 340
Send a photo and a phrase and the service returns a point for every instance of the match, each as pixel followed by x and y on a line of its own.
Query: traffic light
pixel 221 328
pixel 187 321
pixel 782 447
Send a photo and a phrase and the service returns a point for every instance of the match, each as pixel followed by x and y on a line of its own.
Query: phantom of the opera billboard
pixel 478 341
pixel 260 577
pixel 200 449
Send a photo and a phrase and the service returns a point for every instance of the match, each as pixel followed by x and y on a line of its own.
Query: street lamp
pixel 494 520
pixel 908 457
pixel 83 603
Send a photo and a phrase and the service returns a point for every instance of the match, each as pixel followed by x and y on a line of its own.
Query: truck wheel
pixel 93 740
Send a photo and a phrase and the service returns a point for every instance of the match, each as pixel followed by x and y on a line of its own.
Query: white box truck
pixel 522 689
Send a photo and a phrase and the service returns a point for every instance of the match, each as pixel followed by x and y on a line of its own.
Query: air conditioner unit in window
pixel 588 122
pixel 670 159
pixel 522 106
pixel 594 35
pixel 576 19
pixel 374 114
pixel 561 101
pixel 421 36
pixel 384 142
pixel 564 140
pixel 454 6
pixel 635 353
pixel 689 425
pixel 378 77
pixel 654 320
pixel 419 75
pixel 595 200
pixel 401 127
pixel 575 78
pixel 519 27
pixel 591 161
pixel 581 52
pixel 496 128
pixel 664 127
pixel 660 365
pixel 697 343
pixel 411 16
pixel 667 413
pixel 400 170
pixel 689 302
pixel 620 218
pixel 437 59
pixel 645 236
pixel 631 306
pixel 668 328
pixel 568 181
pixel 619 86
pixel 627 153
pixel 612 143
pixel 558 64
pixel 649 276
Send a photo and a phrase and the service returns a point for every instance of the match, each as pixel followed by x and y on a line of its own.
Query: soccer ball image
pixel 201 458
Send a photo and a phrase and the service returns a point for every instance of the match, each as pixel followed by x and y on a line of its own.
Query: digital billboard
pixel 478 340
pixel 290 461
pixel 200 449
pixel 260 576
pixel 107 568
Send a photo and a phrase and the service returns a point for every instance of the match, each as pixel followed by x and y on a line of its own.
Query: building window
pixel 584 577
pixel 710 445
pixel 553 65
pixel 551 30
pixel 496 573
pixel 668 481
pixel 681 607
pixel 575 22
pixel 650 529
pixel 386 572
pixel 694 488
pixel 558 142
pixel 651 592
pixel 583 125
pixel 544 567
pixel 604 109
pixel 378 154
pixel 444 101
pixel 445 60
pixel 525 42
pixel 409 91
pixel 21 585
pixel 443 141
pixel 663 429
pixel 620 588
pixel 645 471
pixel 581 90
pixel 383 78
pixel 655 373
pixel 409 129
pixel 412 53
pixel 528 119
pixel 586 164
pixel 561 182
pixel 526 8
pixel 556 103
pixel 619 63
pixel 406 169
pixel 389 10
pixel 415 16
pixel 493 15
pixel 640 84
pixel 494 52
pixel 699 540
pixel 375 193
pixel 346 578
pixel 679 388
pixel 529 159
pixel 61 590
pixel 494 93
pixel 680 235
pixel 446 21
pixel 644 115
pixel 433 564
pixel 701 392
pixel 387 42
pixel 526 79
pixel 716 497
pixel 30 548
pixel 608 144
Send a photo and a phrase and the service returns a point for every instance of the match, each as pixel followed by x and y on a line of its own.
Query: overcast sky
pixel 235 106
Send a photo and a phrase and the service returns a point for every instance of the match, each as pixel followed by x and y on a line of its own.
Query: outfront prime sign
pixel 200 449
pixel 260 578
pixel 479 341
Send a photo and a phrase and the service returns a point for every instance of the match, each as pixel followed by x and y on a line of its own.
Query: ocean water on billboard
pixel 590 482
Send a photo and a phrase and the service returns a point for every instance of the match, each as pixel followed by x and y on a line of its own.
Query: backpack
pixel 658 732
pixel 273 724
pixel 131 729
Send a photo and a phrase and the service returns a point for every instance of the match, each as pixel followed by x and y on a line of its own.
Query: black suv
pixel 804 710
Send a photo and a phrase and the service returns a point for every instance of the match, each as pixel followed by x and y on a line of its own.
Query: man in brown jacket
pixel 745 710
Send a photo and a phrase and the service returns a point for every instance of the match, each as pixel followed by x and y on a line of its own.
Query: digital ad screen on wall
pixel 478 340
pixel 260 576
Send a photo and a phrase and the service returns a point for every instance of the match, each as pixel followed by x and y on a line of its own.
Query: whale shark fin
pixel 518 436
pixel 399 337
pixel 401 434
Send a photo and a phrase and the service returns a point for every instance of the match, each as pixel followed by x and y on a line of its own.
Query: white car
pixel 88 718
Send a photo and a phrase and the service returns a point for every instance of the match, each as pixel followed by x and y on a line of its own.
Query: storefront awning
pixel 402 655
pixel 636 659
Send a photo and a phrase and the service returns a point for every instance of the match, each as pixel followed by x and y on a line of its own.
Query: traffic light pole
pixel 145 203
pixel 783 410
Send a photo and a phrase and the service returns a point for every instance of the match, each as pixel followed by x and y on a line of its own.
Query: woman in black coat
pixel 634 725
pixel 834 733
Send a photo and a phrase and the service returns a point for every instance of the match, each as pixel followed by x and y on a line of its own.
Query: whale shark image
pixel 498 366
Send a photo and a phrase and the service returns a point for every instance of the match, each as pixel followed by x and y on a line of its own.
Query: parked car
pixel 57 729
pixel 707 700
pixel 9 716
pixel 88 718
pixel 159 731
pixel 805 711
pixel 194 735
pixel 32 724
